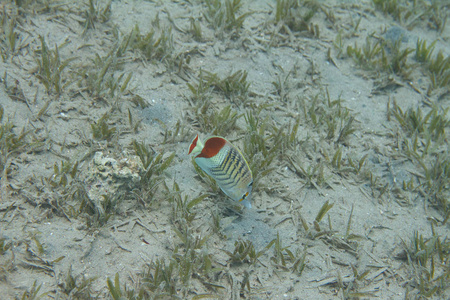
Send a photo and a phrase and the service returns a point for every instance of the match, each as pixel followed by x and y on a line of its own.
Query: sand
pixel 64 236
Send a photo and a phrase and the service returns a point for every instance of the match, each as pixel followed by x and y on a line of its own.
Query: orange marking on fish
pixel 212 147
pixel 245 196
pixel 193 144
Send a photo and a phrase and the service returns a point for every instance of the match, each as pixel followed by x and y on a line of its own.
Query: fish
pixel 218 158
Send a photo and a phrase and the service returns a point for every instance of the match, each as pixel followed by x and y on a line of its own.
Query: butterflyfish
pixel 218 158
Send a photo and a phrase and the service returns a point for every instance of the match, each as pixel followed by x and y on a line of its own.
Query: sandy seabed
pixel 351 192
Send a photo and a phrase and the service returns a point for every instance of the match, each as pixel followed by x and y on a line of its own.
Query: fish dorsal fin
pixel 212 147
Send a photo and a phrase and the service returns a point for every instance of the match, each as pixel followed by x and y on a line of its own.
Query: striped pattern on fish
pixel 226 165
